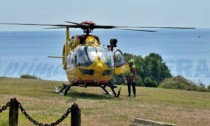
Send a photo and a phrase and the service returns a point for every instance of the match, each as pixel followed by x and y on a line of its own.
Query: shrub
pixel 27 76
pixel 181 83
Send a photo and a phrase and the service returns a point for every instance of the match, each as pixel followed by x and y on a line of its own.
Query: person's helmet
pixel 131 61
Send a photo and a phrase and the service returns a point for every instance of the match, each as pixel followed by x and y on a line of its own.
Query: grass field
pixel 183 108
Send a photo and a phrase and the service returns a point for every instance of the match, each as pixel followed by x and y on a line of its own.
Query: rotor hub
pixel 87 26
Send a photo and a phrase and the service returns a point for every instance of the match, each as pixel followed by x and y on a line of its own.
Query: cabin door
pixel 120 64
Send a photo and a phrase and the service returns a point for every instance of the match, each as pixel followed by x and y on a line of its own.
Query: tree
pixel 155 71
pixel 150 70
pixel 208 87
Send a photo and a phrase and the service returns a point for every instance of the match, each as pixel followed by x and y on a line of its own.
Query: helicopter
pixel 87 61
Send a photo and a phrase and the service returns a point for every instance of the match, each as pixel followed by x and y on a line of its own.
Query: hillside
pixel 183 108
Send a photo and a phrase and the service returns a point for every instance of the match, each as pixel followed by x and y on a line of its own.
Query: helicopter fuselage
pixel 89 63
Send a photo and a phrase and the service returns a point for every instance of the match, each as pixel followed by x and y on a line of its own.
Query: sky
pixel 184 13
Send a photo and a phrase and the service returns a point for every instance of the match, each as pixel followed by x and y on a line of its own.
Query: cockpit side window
pixel 119 59
pixel 71 60
pixel 105 55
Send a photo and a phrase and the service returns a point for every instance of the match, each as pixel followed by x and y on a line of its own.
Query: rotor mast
pixel 87 31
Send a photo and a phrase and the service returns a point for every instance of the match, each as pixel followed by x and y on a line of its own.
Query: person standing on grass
pixel 131 78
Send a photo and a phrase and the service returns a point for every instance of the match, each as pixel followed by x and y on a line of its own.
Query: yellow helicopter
pixel 87 62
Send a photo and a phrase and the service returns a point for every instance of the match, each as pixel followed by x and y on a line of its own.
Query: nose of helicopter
pixel 99 67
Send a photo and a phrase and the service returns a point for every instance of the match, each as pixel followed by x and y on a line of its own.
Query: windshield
pixel 86 55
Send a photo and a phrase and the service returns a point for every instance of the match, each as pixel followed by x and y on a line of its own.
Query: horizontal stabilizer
pixel 56 56
pixel 56 90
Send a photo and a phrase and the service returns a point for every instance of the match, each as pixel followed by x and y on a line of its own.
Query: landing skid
pixel 66 88
pixel 112 88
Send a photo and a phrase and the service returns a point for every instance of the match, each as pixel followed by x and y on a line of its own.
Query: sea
pixel 185 52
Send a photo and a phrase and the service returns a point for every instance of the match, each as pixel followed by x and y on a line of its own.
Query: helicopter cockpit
pixel 86 55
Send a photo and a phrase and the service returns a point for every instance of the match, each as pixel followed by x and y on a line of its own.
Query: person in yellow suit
pixel 131 78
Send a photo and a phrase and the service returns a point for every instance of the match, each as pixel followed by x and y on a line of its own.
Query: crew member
pixel 131 78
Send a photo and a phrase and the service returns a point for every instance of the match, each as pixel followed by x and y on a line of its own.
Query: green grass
pixel 166 105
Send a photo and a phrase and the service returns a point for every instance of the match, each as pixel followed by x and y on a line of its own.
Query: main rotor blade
pixel 73 22
pixel 138 27
pixel 27 24
pixel 167 27
pixel 56 25
pixel 78 25
pixel 139 30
